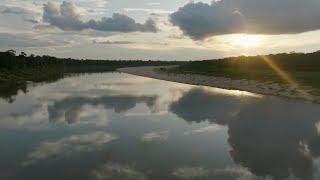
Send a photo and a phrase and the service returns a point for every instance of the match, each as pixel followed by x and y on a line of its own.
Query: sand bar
pixel 264 88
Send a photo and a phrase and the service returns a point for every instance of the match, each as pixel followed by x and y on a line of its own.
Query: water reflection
pixel 70 109
pixel 272 138
pixel 155 136
pixel 118 172
pixel 8 91
pixel 149 129
pixel 69 145
pixel 204 104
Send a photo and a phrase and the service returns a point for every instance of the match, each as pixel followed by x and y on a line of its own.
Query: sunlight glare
pixel 246 41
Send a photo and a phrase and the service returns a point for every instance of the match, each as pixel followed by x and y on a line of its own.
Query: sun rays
pixel 286 77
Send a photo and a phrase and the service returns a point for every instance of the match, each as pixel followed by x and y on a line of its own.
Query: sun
pixel 246 41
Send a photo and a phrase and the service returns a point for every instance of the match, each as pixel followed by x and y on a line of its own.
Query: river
pixel 120 126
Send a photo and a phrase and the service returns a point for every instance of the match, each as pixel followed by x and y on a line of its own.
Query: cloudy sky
pixel 159 29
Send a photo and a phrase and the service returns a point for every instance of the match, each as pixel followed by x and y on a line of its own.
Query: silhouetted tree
pixel 11 52
pixel 23 54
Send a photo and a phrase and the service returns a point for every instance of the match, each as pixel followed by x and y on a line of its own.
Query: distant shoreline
pixel 264 88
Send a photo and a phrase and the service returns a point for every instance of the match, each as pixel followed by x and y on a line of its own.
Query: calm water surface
pixel 118 126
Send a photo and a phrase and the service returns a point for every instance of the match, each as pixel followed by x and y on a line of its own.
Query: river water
pixel 119 126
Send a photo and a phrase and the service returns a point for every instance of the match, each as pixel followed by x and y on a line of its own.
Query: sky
pixel 159 29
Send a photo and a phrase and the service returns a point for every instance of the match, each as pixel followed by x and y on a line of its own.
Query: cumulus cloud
pixel 66 18
pixel 201 20
pixel 69 145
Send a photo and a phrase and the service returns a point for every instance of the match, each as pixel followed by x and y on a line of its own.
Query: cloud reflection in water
pixel 69 109
pixel 272 137
pixel 201 104
pixel 69 145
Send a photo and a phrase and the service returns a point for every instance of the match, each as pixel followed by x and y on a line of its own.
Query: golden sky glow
pixel 246 41
pixel 24 28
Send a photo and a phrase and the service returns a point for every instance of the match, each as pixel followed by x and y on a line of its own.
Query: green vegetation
pixel 17 70
pixel 303 68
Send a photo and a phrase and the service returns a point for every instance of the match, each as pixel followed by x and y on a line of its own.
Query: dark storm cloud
pixel 201 20
pixel 66 18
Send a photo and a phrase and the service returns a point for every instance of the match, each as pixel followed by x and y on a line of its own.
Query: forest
pixel 16 70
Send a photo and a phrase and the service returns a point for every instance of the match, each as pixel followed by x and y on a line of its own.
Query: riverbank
pixel 14 80
pixel 16 71
pixel 264 88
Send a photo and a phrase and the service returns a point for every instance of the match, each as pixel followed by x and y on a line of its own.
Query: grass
pixel 303 68
pixel 303 78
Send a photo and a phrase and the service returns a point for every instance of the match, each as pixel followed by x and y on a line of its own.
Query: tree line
pixel 10 60
pixel 287 61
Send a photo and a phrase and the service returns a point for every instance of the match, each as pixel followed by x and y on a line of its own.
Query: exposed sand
pixel 265 88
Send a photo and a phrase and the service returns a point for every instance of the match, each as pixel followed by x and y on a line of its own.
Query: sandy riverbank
pixel 265 88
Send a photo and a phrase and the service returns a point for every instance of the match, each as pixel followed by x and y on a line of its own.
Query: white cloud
pixel 66 18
